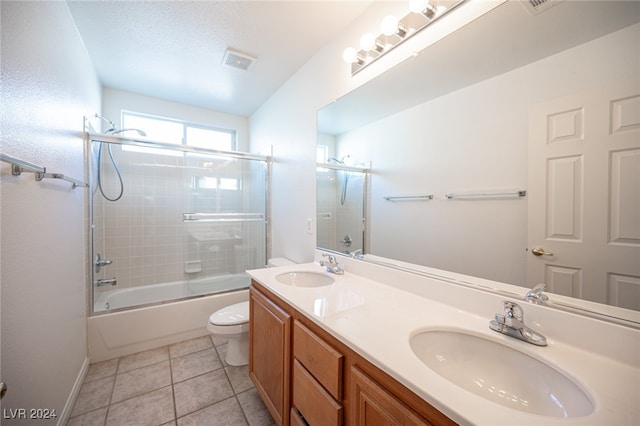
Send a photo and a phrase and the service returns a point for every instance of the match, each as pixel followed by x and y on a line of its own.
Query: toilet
pixel 232 323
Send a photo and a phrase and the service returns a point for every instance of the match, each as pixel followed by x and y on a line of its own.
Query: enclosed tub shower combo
pixel 173 228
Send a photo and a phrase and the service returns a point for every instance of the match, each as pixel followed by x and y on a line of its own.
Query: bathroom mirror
pixel 453 130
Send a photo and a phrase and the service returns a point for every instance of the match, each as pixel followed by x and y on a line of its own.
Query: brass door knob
pixel 539 251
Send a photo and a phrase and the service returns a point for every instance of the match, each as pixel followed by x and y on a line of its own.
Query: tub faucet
pixel 108 281
pixel 332 264
pixel 512 324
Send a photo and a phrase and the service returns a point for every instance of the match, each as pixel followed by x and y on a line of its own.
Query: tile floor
pixel 187 383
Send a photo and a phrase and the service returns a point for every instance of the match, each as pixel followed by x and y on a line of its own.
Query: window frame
pixel 185 126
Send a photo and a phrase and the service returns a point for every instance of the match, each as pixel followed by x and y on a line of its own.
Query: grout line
pixel 173 389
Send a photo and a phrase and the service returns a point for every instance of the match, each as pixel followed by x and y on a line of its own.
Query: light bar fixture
pixel 394 31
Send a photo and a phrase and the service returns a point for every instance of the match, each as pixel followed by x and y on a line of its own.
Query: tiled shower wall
pixel 143 233
pixel 336 220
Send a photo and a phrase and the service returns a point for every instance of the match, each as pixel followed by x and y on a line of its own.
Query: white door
pixel 584 195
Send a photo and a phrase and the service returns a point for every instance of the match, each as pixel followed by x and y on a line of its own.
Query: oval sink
pixel 501 374
pixel 304 279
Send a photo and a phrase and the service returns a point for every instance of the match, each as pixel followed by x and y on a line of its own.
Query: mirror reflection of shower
pixel 112 130
pixel 345 177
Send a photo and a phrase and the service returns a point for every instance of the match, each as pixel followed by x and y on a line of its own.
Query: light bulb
pixel 417 6
pixel 350 55
pixel 367 42
pixel 389 25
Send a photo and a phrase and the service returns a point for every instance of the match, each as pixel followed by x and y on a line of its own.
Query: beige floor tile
pixel 254 409
pixel 100 370
pixel 239 378
pixel 224 413
pixel 201 391
pixel 92 418
pixel 222 353
pixel 142 359
pixel 190 346
pixel 141 380
pixel 218 341
pixel 93 395
pixel 153 408
pixel 195 364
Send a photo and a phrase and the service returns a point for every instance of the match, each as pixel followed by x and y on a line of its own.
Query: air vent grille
pixel 239 60
pixel 536 6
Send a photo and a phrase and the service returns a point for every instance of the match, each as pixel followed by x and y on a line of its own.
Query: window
pixel 168 130
pixel 322 153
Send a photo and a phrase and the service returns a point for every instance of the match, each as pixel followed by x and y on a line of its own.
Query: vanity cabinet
pixel 306 376
pixel 317 378
pixel 269 355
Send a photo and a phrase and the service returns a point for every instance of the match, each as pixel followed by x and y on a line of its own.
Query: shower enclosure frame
pixel 124 140
pixel 366 172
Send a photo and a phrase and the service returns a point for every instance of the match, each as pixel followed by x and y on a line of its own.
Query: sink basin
pixel 501 374
pixel 304 279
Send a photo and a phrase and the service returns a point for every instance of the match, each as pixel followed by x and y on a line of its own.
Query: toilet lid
pixel 231 315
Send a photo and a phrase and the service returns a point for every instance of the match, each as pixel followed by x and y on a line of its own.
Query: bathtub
pixel 124 332
pixel 155 293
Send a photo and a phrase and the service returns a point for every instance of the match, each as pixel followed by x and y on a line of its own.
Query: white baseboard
pixel 63 418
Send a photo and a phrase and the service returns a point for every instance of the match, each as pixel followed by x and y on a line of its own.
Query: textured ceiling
pixel 174 49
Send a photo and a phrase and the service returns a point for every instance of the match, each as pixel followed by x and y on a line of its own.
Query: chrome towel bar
pixel 19 166
pixel 409 197
pixel 519 193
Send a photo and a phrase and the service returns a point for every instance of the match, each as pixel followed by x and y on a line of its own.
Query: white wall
pixel 48 85
pixel 287 121
pixel 475 139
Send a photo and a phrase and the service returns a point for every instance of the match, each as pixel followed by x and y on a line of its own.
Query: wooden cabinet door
pixel 269 354
pixel 372 405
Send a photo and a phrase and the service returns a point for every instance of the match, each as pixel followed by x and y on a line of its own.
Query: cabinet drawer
pixel 314 403
pixel 322 361
pixel 295 419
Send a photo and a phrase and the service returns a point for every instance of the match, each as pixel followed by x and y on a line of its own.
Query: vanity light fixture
pixel 395 31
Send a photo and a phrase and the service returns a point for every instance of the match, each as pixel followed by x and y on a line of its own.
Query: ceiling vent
pixel 536 6
pixel 234 59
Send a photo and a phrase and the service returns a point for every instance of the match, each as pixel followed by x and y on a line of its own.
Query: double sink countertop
pixel 378 317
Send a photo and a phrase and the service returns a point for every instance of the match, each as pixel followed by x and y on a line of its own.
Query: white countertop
pixel 377 320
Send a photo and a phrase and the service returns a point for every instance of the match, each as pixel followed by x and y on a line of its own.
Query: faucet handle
pixel 535 294
pixel 512 313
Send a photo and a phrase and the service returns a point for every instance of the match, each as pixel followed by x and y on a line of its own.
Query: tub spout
pixel 102 282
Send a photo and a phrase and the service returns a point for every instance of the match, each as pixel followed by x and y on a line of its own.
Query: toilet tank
pixel 279 261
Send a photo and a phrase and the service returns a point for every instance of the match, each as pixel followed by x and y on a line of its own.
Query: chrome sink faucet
pixel 512 324
pixel 332 264
pixel 535 295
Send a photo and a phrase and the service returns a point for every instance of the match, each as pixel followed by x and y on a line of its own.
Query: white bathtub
pixel 125 332
pixel 154 293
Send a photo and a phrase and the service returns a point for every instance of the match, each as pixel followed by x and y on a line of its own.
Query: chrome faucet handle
pixel 357 254
pixel 330 258
pixel 332 264
pixel 535 294
pixel 512 324
pixel 513 314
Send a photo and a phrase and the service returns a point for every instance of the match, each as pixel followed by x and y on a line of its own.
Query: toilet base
pixel 238 350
